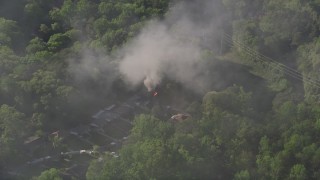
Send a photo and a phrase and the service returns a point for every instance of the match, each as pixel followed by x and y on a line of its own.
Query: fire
pixel 155 93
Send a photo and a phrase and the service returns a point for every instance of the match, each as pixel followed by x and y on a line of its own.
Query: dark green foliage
pixel 231 134
pixel 9 33
pixel 213 147
pixel 12 129
pixel 39 43
pixel 58 41
pixel 308 62
pixel 51 174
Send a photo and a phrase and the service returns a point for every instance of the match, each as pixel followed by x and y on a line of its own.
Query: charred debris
pixel 73 149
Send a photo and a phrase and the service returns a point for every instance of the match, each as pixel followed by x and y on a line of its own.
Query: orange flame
pixel 155 93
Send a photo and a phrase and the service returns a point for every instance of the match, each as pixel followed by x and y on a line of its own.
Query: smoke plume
pixel 172 47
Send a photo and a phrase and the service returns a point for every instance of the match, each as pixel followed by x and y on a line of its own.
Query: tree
pixel 233 99
pixel 35 45
pixel 287 23
pixel 50 174
pixel 298 172
pixel 244 9
pixel 58 41
pixel 309 64
pixel 146 156
pixel 242 175
pixel 13 128
pixel 8 60
pixel 64 14
pixel 145 125
pixel 9 32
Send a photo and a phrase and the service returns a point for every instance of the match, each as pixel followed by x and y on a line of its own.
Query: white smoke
pixel 170 48
pixel 91 66
pixel 157 52
pixel 151 82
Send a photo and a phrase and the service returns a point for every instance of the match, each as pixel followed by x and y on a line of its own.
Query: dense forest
pixel 234 89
